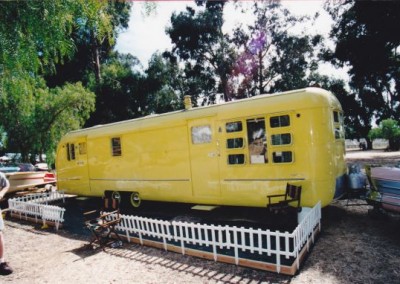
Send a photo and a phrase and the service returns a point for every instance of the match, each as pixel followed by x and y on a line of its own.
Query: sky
pixel 146 33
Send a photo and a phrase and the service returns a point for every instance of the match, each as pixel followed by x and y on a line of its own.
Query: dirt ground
pixel 353 247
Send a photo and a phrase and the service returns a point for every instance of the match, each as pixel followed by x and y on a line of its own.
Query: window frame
pixel 116 149
pixel 338 124
pixel 234 139
pixel 280 119
pixel 236 155
pixel 239 129
pixel 282 155
pixel 199 138
pixel 71 154
pixel 257 151
pixel 280 139
pixel 82 148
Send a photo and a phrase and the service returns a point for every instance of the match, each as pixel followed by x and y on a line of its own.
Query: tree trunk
pixel 369 143
pixel 224 85
pixel 96 57
pixel 97 64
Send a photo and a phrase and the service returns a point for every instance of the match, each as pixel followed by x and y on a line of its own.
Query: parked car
pixel 42 167
pixel 26 167
pixel 16 167
pixel 9 168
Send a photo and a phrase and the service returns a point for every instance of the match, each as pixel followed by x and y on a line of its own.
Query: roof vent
pixel 188 102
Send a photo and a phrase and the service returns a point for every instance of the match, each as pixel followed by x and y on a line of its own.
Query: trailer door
pixel 73 174
pixel 204 158
pixel 82 164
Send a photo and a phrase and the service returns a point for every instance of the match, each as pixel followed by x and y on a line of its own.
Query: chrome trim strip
pixel 267 179
pixel 116 179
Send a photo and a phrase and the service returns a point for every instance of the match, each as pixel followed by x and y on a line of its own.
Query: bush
pixel 388 129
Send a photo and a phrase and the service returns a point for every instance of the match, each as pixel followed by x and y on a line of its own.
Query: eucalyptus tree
pixel 120 94
pixel 198 41
pixel 94 37
pixel 367 41
pixel 271 57
pixel 165 85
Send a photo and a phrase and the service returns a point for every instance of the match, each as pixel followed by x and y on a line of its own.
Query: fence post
pixel 214 243
pixel 235 244
pixel 277 252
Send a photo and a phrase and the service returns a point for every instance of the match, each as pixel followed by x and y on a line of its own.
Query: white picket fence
pixel 36 206
pixel 44 197
pixel 234 239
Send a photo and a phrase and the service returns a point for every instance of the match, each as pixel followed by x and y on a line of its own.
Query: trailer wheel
pixel 135 199
pixel 116 195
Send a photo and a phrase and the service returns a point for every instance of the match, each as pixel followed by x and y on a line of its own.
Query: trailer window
pixel 279 121
pixel 82 148
pixel 336 116
pixel 338 124
pixel 236 159
pixel 234 143
pixel 201 134
pixel 234 126
pixel 257 141
pixel 281 139
pixel 116 146
pixel 67 148
pixel 70 151
pixel 282 157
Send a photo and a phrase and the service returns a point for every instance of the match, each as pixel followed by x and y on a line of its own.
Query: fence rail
pixel 222 241
pixel 44 197
pixel 36 206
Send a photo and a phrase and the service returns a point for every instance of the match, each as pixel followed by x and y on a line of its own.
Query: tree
pixel 120 94
pixel 198 40
pixel 36 127
pixel 34 34
pixel 35 37
pixel 60 110
pixel 367 38
pixel 339 88
pixel 165 85
pixel 107 20
pixel 388 129
pixel 271 58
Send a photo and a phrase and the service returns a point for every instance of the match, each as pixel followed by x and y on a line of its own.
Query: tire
pixel 135 199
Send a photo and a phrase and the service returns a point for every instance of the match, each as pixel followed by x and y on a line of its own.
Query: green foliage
pixel 58 111
pixel 97 30
pixel 36 36
pixel 375 133
pixel 339 88
pixel 120 92
pixel 165 85
pixel 259 58
pixel 3 139
pixel 388 129
pixel 36 120
pixel 367 38
pixel 199 41
pixel 271 58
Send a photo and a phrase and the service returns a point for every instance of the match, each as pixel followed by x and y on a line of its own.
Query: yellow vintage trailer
pixel 234 153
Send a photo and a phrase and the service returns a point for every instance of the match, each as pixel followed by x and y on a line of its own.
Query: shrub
pixel 388 129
